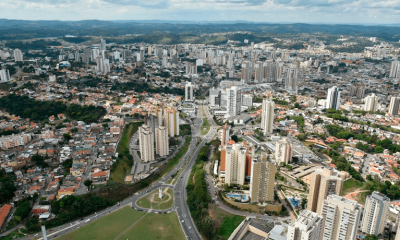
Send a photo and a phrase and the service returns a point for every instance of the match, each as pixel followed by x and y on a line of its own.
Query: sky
pixel 279 11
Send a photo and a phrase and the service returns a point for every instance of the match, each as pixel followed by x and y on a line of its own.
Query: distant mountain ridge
pixel 23 29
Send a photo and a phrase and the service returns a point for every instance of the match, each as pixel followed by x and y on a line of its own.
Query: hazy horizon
pixel 260 11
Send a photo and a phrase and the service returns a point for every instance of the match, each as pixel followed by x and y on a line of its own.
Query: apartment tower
pixel 375 213
pixel 307 226
pixel 267 116
pixel 262 179
pixel 283 151
pixel 146 144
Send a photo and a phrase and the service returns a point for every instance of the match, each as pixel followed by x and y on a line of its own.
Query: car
pixel 190 228
pixel 183 220
pixel 37 234
pixel 50 230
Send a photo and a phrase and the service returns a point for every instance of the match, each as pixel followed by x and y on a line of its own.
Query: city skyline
pixel 282 11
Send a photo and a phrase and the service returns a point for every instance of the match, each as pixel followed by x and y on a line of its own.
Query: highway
pixel 179 187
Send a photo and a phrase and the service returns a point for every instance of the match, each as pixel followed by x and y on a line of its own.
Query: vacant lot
pixel 228 222
pixel 107 227
pixel 156 226
pixel 350 186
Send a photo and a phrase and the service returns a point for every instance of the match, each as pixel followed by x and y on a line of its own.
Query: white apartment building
pixel 235 164
pixel 18 55
pixel 333 98
pixel 341 218
pixel 234 103
pixel 267 116
pixel 4 75
pixel 308 226
pixel 146 144
pixel 283 151
pixel 394 106
pixel 375 213
pixel 162 142
pixel 371 103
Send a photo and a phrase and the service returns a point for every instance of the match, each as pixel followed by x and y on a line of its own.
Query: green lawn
pixel 205 127
pixel 16 234
pixel 144 202
pixel 228 222
pixel 156 226
pixel 107 227
pixel 350 186
pixel 124 162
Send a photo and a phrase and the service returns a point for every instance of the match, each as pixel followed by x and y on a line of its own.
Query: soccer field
pixel 128 223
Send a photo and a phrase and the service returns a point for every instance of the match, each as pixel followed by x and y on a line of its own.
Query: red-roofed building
pixel 4 211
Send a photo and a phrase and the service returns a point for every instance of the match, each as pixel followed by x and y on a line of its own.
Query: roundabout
pixel 158 199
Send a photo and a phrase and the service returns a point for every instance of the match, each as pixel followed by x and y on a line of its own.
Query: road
pixel 180 196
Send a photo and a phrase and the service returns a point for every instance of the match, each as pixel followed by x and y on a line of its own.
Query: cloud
pixel 142 3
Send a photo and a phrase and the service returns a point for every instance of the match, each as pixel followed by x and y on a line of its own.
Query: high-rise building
pixel 235 164
pixel 394 69
pixel 246 72
pixel 308 226
pixel 270 72
pixel 357 92
pixel 5 75
pixel 262 179
pixel 189 92
pixel 234 103
pixel 291 80
pixel 283 151
pixel 394 106
pixel 162 143
pixel 324 182
pixel 259 72
pixel 146 144
pixel 225 136
pixel 341 218
pixel 18 55
pixel 77 56
pixel 171 121
pixel 375 213
pixel 102 45
pixel 398 233
pixel 214 97
pixel 267 116
pixel 371 103
pixel 333 98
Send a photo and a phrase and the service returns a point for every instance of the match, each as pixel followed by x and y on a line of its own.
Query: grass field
pixel 350 186
pixel 156 226
pixel 228 222
pixel 107 227
pixel 144 202
pixel 124 161
pixel 205 127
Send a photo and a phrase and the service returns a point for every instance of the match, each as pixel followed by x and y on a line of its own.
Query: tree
pixel 87 182
pixel 67 137
pixel 234 138
pixel 379 149
pixel 371 237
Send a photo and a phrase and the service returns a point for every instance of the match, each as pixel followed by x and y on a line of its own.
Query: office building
pixel 262 179
pixel 162 142
pixel 341 218
pixel 375 213
pixel 247 100
pixel 102 45
pixel 235 163
pixel 283 151
pixel 214 97
pixel 234 100
pixel 394 106
pixel 267 116
pixel 371 103
pixel 146 144
pixel 18 55
pixel 189 92
pixel 308 226
pixel 4 75
pixel 324 182
pixel 333 98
